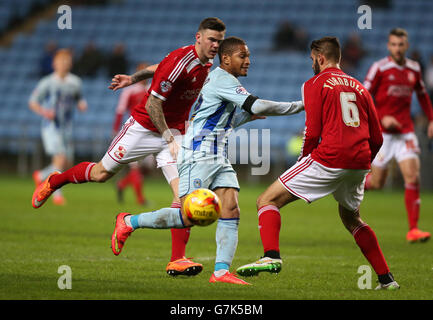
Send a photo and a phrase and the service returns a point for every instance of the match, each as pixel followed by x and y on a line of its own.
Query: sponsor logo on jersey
pixel 120 152
pixel 241 90
pixel 165 86
pixel 411 77
pixel 399 91
pixel 190 94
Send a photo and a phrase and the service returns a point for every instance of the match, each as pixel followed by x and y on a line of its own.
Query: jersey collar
pixel 210 62
pixel 391 60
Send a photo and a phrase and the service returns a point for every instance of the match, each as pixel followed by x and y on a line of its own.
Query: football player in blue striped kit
pixel 203 161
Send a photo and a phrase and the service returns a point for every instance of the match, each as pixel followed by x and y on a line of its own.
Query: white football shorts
pixel 399 146
pixel 135 142
pixel 310 181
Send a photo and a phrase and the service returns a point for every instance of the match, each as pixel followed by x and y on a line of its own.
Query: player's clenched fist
pixel 120 81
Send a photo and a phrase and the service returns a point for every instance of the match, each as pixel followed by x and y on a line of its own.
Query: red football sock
pixel 367 242
pixel 269 225
pixel 125 181
pixel 412 201
pixel 77 174
pixel 137 182
pixel 179 239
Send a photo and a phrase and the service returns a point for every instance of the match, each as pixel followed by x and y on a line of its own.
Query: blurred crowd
pixel 91 62
pixel 291 38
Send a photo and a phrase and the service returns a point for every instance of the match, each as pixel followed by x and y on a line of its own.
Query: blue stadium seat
pixel 150 29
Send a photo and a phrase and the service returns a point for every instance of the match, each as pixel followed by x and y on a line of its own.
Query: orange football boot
pixel 43 192
pixel 416 234
pixel 228 278
pixel 120 234
pixel 183 266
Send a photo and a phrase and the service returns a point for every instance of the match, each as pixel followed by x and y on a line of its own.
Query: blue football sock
pixel 227 242
pixel 165 218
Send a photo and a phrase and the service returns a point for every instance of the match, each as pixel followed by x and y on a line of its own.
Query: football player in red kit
pixel 152 127
pixel 391 81
pixel 342 137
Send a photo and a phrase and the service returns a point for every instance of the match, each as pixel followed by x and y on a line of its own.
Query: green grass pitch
pixel 320 257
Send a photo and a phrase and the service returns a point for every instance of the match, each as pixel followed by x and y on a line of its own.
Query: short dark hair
pixel 329 47
pixel 228 46
pixel 399 32
pixel 63 53
pixel 212 23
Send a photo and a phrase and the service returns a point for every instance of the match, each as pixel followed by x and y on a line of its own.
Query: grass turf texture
pixel 320 257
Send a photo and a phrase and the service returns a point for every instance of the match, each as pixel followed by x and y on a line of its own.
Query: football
pixel 202 207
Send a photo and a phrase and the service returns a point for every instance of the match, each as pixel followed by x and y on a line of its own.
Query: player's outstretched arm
pixel 273 108
pixel 120 81
pixel 244 117
pixel 254 108
pixel 144 74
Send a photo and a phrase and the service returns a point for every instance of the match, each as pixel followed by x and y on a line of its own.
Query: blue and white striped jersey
pixel 62 95
pixel 213 116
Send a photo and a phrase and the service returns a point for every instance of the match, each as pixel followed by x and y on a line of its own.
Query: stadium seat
pixel 150 34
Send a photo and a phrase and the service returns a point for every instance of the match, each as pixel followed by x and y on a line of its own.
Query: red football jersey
pixel 129 98
pixel 177 81
pixel 342 129
pixel 392 86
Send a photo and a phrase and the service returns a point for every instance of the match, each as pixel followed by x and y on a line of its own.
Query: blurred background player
pixel 391 81
pixel 152 127
pixel 54 99
pixel 342 136
pixel 203 160
pixel 129 98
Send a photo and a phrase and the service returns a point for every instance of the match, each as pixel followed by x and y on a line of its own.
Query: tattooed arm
pixel 122 80
pixel 156 114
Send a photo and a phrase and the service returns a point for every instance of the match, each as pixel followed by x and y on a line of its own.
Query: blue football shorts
pixel 198 169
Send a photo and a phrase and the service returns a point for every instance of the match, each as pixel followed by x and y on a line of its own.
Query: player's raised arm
pixel 122 80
